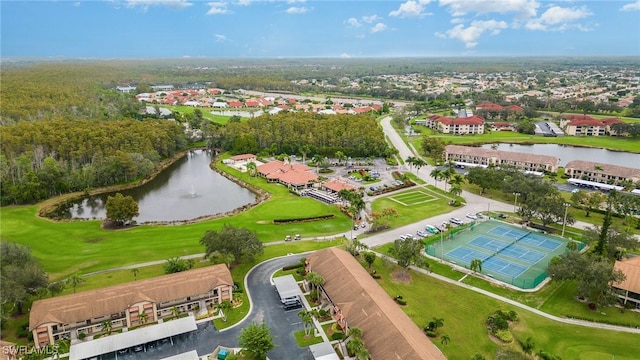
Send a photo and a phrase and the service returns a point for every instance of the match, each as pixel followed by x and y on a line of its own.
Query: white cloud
pixel 353 22
pixel 220 38
pixel 457 20
pixel 244 2
pixel 379 27
pixel 217 8
pixel 296 10
pixel 371 19
pixel 146 3
pixel 77 3
pixel 411 8
pixel 557 18
pixel 634 6
pixel 295 1
pixel 523 8
pixel 345 55
pixel 471 34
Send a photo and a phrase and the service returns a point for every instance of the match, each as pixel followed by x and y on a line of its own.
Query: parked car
pixel 480 216
pixel 403 237
pixel 431 229
pixel 363 225
pixel 456 221
pixel 422 233
pixel 442 227
pixel 472 216
pixel 409 236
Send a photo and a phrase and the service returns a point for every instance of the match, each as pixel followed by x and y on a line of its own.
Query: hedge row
pixel 307 219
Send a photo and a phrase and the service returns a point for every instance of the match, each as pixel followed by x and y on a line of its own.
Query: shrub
pixel 292 266
pixel 305 219
pixel 82 335
pixel 504 335
pixel 336 336
pixel 431 333
pixel 376 276
pixel 592 306
pixel 401 302
pixel 322 312
pixel 546 356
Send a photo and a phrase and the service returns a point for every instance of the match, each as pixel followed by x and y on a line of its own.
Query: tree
pixel 455 191
pixel 355 346
pixel 75 280
pixel 143 317
pixel 307 321
pixel 527 345
pixel 615 242
pixel 436 323
pixel 593 276
pixel 121 209
pixel 314 279
pixel 594 200
pixel 436 174
pixel 355 332
pixel 252 168
pixel 382 218
pixel 407 252
pixel 175 311
pixel 476 265
pixel 445 339
pixel 256 340
pixel 485 178
pixel 225 306
pixel 21 275
pixel 176 264
pixel 418 162
pixel 106 326
pixel 242 243
pixel 369 258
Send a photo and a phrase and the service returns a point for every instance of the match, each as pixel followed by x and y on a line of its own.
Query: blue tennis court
pixel 503 267
pixel 540 242
pixel 508 233
pixel 488 243
pixel 466 254
pixel 521 253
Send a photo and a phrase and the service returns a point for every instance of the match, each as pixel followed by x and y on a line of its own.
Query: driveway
pixel 265 306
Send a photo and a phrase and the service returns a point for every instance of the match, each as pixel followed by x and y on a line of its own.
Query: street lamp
pixel 515 202
pixel 564 222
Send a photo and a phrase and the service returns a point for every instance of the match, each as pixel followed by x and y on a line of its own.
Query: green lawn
pixel 465 311
pixel 67 247
pixel 304 342
pixel 416 212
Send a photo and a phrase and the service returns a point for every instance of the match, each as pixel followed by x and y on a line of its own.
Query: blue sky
pixel 297 28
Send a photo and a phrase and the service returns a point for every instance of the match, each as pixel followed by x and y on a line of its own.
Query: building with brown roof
pixel 336 185
pixel 582 125
pixel 481 156
pixel 69 316
pixel 629 289
pixel 243 158
pixel 295 176
pixel 600 173
pixel 447 125
pixel 355 299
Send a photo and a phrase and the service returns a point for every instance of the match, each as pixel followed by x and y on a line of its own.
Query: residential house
pixel 242 158
pixel 355 299
pixel 601 173
pixel 69 316
pixel 502 126
pixel 608 123
pixel 629 289
pixel 481 156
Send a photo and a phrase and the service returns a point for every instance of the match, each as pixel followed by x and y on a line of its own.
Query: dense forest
pixel 304 133
pixel 48 158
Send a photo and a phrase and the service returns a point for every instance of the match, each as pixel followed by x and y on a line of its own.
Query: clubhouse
pixel 355 299
pixel 81 315
pixel 294 176
pixel 487 157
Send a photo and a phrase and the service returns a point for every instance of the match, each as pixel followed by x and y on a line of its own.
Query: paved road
pixel 264 306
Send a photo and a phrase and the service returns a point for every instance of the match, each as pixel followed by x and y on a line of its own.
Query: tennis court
pixel 513 254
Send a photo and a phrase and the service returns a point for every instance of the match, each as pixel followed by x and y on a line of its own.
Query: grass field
pixel 464 313
pixel 422 203
pixel 206 113
pixel 67 247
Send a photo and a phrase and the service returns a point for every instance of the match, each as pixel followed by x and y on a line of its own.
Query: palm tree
pixel 437 322
pixel 411 160
pixel 355 332
pixel 355 346
pixel 307 321
pixel 436 174
pixel 445 339
pixel 143 317
pixel 224 307
pixel 106 326
pixel 363 354
pixel 418 163
pixel 455 191
pixel 75 280
pixel 175 311
pixel 135 273
pixel 252 168
pixel 314 279
pixel 457 179
pixel 476 265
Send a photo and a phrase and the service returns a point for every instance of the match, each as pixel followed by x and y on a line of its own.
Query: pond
pixel 567 153
pixel 187 189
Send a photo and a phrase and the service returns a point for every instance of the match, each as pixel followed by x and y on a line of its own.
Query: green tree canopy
pixel 242 243
pixel 21 275
pixel 256 340
pixel 407 253
pixel 121 209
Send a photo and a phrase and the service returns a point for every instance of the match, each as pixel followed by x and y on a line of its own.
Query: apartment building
pixel 459 126
pixel 480 156
pixel 84 314
pixel 601 173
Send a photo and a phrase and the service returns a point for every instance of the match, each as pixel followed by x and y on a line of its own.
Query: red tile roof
pixel 515 108
pixel 296 174
pixel 242 157
pixel 611 121
pixel 235 104
pixel 337 185
pixel 489 106
pixel 474 120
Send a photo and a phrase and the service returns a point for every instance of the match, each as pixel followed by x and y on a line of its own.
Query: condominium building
pixel 481 156
pixel 629 289
pixel 601 173
pixel 460 126
pixel 124 306
pixel 585 125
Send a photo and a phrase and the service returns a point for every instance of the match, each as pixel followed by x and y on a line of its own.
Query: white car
pixel 403 237
pixel 456 221
pixel 422 233
pixel 472 216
